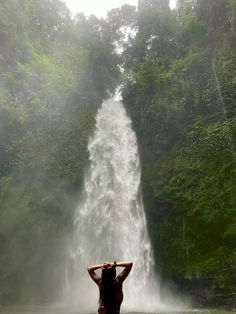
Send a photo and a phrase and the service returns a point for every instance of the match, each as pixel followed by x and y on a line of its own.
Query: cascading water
pixel 110 222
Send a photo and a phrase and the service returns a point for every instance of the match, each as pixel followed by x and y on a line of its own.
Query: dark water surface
pixel 59 310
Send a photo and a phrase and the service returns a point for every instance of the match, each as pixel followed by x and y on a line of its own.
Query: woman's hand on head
pixel 108 264
pixel 104 265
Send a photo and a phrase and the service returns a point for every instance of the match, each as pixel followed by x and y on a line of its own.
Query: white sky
pixel 99 7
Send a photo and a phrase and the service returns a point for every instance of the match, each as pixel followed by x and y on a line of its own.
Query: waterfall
pixel 110 222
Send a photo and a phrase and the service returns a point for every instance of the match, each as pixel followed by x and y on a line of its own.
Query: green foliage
pixel 183 107
pixel 55 71
pixel 179 86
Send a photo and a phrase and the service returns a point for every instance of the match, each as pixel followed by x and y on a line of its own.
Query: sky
pixel 99 7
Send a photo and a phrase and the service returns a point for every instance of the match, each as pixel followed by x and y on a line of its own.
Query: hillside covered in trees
pixel 177 72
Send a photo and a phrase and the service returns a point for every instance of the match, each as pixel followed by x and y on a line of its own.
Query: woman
pixel 110 285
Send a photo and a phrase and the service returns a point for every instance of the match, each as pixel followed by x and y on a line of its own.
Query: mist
pixel 175 68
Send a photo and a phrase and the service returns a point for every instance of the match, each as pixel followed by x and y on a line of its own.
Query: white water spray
pixel 110 223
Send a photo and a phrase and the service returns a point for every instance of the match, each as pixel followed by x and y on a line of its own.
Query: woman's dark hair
pixel 107 288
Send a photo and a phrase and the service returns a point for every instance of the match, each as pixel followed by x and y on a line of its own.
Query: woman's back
pixel 112 307
pixel 110 285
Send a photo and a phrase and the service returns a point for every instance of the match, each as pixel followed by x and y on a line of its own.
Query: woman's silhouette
pixel 110 285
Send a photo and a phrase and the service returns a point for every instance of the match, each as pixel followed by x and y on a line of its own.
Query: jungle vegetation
pixel 177 70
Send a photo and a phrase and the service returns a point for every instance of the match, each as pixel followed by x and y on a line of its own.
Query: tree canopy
pixel 177 70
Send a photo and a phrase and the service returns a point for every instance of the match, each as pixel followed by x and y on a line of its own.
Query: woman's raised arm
pixel 123 275
pixel 91 270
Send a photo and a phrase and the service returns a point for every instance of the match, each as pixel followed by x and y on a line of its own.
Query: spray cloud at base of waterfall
pixel 110 222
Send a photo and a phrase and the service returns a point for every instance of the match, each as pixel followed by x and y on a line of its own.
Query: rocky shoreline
pixel 205 293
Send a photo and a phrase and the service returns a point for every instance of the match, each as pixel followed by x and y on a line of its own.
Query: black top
pixel 118 300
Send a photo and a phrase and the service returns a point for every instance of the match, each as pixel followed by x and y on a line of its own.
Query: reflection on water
pixel 60 310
